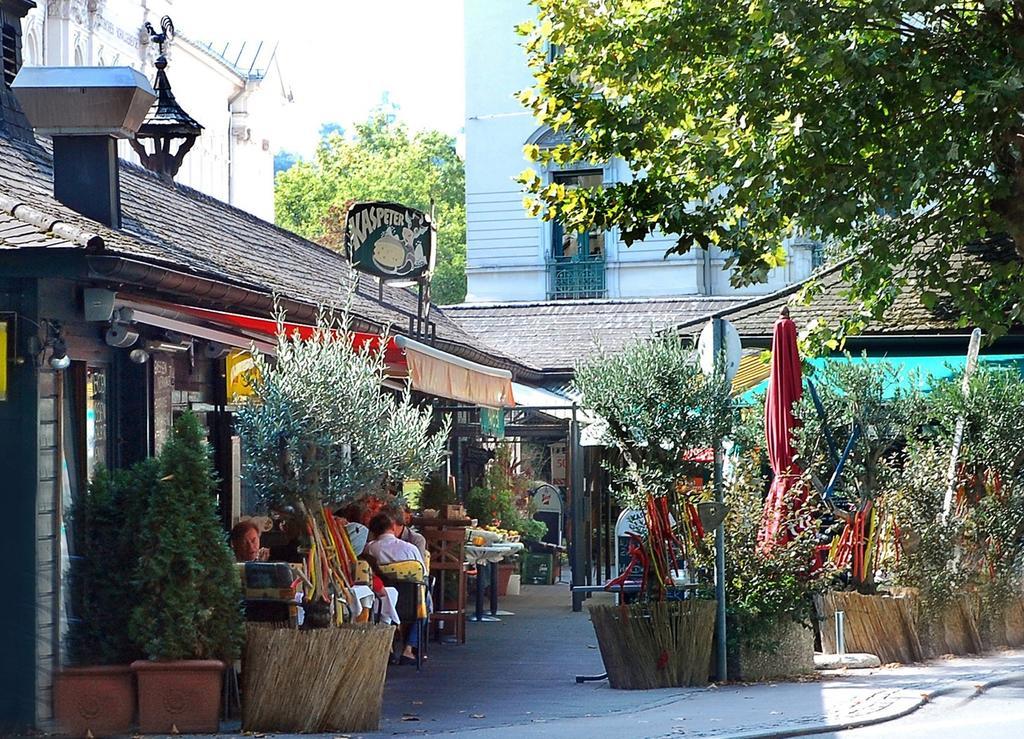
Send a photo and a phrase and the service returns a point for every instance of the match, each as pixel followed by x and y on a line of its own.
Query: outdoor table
pixel 489 555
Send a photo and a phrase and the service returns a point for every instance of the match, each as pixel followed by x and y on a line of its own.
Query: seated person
pixel 385 548
pixel 245 543
pixel 403 531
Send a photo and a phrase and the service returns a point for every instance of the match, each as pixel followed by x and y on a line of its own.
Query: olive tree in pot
pixel 989 493
pixel 659 408
pixel 187 620
pixel 96 693
pixel 320 430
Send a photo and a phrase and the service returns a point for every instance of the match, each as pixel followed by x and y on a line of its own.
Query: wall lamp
pixel 59 359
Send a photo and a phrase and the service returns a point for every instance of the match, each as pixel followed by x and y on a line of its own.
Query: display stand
pixel 446 541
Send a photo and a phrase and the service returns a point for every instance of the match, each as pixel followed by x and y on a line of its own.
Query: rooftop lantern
pixel 166 121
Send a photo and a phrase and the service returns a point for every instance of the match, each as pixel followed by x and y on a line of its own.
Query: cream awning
pixel 435 372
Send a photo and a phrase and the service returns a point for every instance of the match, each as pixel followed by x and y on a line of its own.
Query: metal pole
pixel 840 632
pixel 722 654
pixel 577 543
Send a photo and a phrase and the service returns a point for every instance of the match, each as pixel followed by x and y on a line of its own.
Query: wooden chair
pixel 447 549
pixel 410 580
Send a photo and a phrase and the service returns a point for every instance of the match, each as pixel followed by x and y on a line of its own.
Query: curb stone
pixel 924 698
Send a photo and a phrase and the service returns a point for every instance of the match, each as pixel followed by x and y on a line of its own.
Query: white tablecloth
pixel 491 553
pixel 366 599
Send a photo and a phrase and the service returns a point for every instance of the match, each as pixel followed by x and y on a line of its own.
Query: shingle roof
pixel 182 229
pixel 755 319
pixel 555 335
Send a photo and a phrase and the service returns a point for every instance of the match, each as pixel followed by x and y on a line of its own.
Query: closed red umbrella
pixel 784 389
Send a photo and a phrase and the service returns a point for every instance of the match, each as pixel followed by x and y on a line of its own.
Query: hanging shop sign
pixel 240 375
pixel 388 240
pixel 559 464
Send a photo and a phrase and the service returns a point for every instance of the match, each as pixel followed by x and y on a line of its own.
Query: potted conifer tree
pixel 96 693
pixel 187 620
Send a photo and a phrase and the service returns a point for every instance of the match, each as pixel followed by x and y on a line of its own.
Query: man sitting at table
pixel 386 549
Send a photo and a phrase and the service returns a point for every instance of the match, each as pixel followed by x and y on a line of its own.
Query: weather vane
pixel 167 32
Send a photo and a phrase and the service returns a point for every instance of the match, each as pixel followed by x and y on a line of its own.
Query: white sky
pixel 340 56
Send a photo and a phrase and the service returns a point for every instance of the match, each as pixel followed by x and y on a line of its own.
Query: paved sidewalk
pixel 516 678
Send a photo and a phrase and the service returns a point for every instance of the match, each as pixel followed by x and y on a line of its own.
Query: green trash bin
pixel 538 569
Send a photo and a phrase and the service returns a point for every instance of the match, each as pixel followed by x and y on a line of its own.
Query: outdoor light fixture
pixel 172 347
pixel 59 359
pixel 139 356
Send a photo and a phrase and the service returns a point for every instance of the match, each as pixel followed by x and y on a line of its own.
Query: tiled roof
pixel 754 319
pixel 182 229
pixel 556 335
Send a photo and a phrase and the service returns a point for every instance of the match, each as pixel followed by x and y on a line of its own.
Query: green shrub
pixel 763 590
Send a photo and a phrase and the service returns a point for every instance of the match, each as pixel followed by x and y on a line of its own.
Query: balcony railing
pixel 571 278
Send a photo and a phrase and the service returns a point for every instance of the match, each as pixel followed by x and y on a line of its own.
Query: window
pixel 818 255
pixel 576 268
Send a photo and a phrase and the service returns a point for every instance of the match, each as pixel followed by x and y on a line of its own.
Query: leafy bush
pixel 763 590
pixel 504 498
pixel 189 592
pixel 923 550
pixel 868 396
pixel 993 411
pixel 436 493
pixel 658 406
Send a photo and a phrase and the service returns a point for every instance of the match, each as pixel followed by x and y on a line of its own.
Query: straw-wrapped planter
pixel 314 681
pixel 881 625
pixel 951 629
pixel 655 645
pixel 1001 627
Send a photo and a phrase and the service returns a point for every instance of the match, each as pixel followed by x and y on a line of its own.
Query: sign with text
pixel 388 240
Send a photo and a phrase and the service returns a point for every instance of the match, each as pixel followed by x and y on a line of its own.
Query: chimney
pixel 12 120
pixel 84 109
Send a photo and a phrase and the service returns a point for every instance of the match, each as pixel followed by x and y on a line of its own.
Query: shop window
pixel 577 265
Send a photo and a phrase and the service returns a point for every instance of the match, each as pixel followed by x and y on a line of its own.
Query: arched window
pixel 31 51
pixel 576 261
pixel 79 57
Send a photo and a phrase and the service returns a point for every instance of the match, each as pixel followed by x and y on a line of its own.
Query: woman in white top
pixel 386 548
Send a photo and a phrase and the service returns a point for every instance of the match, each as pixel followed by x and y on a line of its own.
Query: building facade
pixel 231 89
pixel 513 257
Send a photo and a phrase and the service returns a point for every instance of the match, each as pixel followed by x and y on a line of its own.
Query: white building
pixel 513 257
pixel 231 89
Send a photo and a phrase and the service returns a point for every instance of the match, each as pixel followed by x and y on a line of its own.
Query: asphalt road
pixel 998 713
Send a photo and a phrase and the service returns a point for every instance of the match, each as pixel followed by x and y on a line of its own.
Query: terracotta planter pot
pixel 100 700
pixel 182 696
pixel 505 571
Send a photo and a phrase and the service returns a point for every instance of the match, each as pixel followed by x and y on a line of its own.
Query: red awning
pixel 393 355
pixel 430 370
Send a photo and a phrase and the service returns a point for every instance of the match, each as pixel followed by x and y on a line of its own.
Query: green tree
pixel 891 128
pixel 382 161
